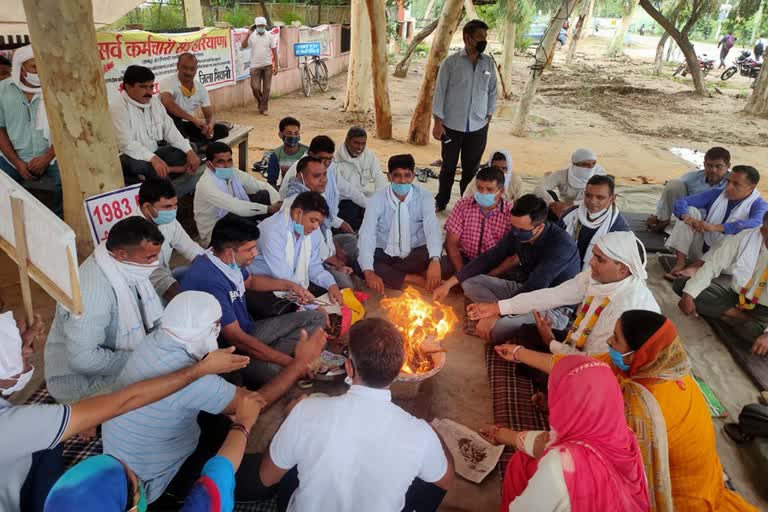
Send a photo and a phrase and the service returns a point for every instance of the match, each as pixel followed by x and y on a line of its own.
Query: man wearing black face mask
pixel 289 152
pixel 464 102
pixel 533 255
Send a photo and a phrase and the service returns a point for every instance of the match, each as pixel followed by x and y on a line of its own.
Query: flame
pixel 418 321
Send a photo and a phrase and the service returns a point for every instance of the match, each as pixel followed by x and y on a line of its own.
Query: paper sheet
pixel 473 456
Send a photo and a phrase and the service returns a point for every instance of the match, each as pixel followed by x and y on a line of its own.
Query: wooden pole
pixel 418 133
pixel 20 235
pixel 381 106
pixel 358 95
pixel 64 41
pixel 193 13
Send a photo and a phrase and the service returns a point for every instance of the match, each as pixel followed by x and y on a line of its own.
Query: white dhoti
pixel 673 190
pixel 684 239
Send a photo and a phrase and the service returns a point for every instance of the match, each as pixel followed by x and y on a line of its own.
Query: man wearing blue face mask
pixel 223 189
pixel 533 255
pixel 263 61
pixel 291 151
pixel 158 203
pixel 399 241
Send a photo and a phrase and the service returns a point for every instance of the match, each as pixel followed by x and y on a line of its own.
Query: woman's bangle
pixel 520 440
pixel 242 428
pixel 514 353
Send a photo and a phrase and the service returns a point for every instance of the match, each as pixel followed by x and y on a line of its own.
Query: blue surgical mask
pixel 485 200
pixel 401 189
pixel 298 227
pixel 291 142
pixel 522 235
pixel 618 358
pixel 260 30
pixel 164 217
pixel 224 173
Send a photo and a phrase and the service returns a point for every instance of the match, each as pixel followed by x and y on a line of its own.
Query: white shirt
pixel 346 190
pixel 208 199
pixel 261 49
pixel 190 104
pixel 363 173
pixel 135 138
pixel 546 490
pixel 358 451
pixel 175 238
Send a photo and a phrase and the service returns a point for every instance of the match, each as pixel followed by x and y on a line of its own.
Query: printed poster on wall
pixel 320 34
pixel 243 57
pixel 159 52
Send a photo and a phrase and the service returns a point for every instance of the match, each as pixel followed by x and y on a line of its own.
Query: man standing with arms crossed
pixel 263 61
pixel 464 102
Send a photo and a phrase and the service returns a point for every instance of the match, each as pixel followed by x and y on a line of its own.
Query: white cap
pixel 583 155
pixel 260 20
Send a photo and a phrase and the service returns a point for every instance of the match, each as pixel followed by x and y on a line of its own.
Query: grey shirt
pixel 465 94
pixel 25 429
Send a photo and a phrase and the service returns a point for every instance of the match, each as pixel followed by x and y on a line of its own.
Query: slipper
pixel 737 435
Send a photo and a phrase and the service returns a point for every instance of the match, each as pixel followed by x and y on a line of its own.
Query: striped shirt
pixel 156 439
pixel 18 116
pixel 25 429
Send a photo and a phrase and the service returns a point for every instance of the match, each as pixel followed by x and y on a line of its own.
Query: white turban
pixel 20 56
pixel 11 360
pixel 260 20
pixel 583 155
pixel 622 246
pixel 190 319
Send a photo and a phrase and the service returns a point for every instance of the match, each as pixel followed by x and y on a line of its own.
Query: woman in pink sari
pixel 589 460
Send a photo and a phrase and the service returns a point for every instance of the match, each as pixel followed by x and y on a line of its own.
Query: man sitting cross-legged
pixel 614 283
pixel 706 218
pixel 400 238
pixel 222 272
pixel 597 215
pixel 717 163
pixel 289 247
pixel 141 123
pixel 359 451
pixel 535 254
pixel 477 223
pixel 84 354
pixel 743 305
pixel 167 443
pixel 158 203
pixel 223 189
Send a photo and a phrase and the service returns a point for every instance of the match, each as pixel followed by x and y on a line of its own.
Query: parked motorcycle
pixel 745 65
pixel 705 63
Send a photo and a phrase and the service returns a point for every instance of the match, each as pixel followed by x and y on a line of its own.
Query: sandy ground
pixel 631 119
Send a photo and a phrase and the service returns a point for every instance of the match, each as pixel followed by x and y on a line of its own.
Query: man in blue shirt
pixel 534 255
pixel 705 218
pixel 222 272
pixel 462 107
pixel 717 162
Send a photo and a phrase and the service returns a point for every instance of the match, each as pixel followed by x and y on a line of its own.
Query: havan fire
pixel 423 326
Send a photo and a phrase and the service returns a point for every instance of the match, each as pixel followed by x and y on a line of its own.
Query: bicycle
pixel 319 76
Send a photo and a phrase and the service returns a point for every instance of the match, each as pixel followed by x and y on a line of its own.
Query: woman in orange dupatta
pixel 666 410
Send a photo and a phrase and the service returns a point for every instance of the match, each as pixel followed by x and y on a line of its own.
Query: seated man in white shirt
pixel 148 141
pixel 182 95
pixel 359 166
pixel 222 189
pixel 400 241
pixel 158 203
pixel 359 451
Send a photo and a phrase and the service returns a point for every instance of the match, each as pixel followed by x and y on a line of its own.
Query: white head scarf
pixel 260 20
pixel 190 319
pixel 20 56
pixel 508 158
pixel 622 246
pixel 579 176
pixel 11 362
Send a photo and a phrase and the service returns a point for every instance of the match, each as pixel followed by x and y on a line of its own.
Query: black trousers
pixel 470 146
pixel 393 270
pixel 193 133
pixel 420 497
pixel 135 171
pixel 352 213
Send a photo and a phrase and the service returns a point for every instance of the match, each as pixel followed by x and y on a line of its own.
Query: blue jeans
pixel 49 181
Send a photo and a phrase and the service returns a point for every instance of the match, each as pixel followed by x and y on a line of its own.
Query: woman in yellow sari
pixel 666 410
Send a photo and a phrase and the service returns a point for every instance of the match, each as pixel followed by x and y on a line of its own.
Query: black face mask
pixel 480 46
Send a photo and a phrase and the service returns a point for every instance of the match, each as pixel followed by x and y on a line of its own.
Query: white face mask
pixel 199 349
pixel 135 272
pixel 596 215
pixel 33 79
pixel 21 383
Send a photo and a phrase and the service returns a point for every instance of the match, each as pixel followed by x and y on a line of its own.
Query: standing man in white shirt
pixel 464 102
pixel 148 141
pixel 182 95
pixel 359 451
pixel 263 61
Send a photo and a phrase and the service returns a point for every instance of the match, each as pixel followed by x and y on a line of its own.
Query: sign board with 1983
pixel 105 210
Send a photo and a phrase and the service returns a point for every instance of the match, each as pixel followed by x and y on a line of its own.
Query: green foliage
pixel 154 17
pixel 238 18
pixel 289 18
pixel 609 8
pixel 422 48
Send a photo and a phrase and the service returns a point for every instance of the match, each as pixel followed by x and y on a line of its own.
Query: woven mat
pixel 756 367
pixel 76 450
pixel 511 392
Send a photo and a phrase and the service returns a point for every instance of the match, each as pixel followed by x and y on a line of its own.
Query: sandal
pixel 737 434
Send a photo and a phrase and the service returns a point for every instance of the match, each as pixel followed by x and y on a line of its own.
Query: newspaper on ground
pixel 473 456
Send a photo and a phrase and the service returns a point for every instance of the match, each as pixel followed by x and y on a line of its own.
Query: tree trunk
pixel 428 11
pixel 265 12
pixel 575 39
pixel 681 38
pixel 358 95
pixel 76 103
pixel 418 132
pixel 383 112
pixel 401 70
pixel 193 13
pixel 758 101
pixel 510 34
pixel 471 12
pixel 616 47
pixel 588 19
pixel 545 48
pixel 658 61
